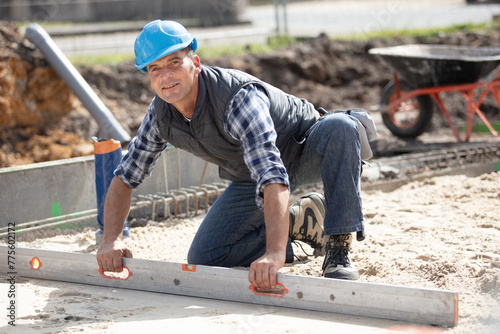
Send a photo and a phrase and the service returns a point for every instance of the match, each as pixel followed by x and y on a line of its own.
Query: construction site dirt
pixel 441 232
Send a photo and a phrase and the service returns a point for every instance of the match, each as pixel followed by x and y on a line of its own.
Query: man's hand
pixel 116 208
pixel 263 270
pixel 109 255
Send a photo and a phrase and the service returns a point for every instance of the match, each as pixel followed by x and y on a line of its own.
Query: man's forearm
pixel 116 209
pixel 276 215
pixel 262 273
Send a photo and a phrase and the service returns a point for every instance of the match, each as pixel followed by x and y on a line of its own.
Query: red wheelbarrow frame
pixel 490 84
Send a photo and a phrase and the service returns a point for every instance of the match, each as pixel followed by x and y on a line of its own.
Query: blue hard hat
pixel 158 39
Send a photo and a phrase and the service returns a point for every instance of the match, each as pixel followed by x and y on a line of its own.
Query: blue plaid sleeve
pixel 143 152
pixel 248 120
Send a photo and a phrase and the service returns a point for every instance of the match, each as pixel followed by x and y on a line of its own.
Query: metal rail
pixel 408 166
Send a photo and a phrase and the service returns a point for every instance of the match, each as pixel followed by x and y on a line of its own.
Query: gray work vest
pixel 205 137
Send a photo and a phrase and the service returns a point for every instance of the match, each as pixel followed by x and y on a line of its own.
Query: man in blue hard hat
pixel 263 140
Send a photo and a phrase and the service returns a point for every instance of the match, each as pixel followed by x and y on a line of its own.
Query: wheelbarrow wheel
pixel 412 117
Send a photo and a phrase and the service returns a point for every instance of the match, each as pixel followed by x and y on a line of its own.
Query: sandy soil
pixel 440 233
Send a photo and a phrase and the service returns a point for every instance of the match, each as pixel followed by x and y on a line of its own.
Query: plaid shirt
pixel 247 119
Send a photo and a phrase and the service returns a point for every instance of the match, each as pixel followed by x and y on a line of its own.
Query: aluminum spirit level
pixel 416 305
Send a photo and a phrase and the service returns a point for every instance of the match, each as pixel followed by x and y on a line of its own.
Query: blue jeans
pixel 233 231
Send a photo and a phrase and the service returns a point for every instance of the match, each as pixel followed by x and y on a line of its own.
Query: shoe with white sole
pixel 306 221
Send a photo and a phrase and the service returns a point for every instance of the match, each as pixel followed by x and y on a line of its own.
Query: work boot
pixel 337 263
pixel 306 222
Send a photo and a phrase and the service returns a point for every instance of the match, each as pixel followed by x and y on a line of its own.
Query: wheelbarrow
pixel 428 70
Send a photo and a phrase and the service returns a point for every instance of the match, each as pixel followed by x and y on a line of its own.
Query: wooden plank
pixel 416 305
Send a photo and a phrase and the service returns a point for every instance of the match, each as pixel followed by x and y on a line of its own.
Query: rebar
pixel 449 158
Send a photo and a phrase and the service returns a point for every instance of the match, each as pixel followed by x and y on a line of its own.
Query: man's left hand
pixel 263 271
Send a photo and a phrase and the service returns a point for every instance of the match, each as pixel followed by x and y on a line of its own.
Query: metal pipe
pixel 285 17
pixel 107 122
pixel 277 16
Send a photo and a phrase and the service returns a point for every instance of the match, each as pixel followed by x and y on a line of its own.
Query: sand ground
pixel 441 232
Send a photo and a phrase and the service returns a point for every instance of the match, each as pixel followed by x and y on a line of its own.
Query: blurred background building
pixel 202 12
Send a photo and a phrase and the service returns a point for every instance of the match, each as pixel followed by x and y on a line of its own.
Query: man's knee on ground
pixel 196 257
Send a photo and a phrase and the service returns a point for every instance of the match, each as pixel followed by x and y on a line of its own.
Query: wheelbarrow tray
pixel 429 65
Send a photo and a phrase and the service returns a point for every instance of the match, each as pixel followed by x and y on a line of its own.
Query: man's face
pixel 174 77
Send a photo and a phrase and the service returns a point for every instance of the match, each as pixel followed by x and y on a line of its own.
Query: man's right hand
pixel 109 255
pixel 116 209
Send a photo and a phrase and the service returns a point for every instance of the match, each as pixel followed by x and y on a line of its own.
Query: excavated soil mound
pixel 34 103
pixel 40 119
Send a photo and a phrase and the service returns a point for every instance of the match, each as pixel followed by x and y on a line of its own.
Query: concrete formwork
pixel 49 189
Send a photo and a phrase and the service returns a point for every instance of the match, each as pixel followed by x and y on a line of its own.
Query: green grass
pixel 102 59
pixel 273 43
pixel 485 28
pixel 278 42
pixel 481 127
